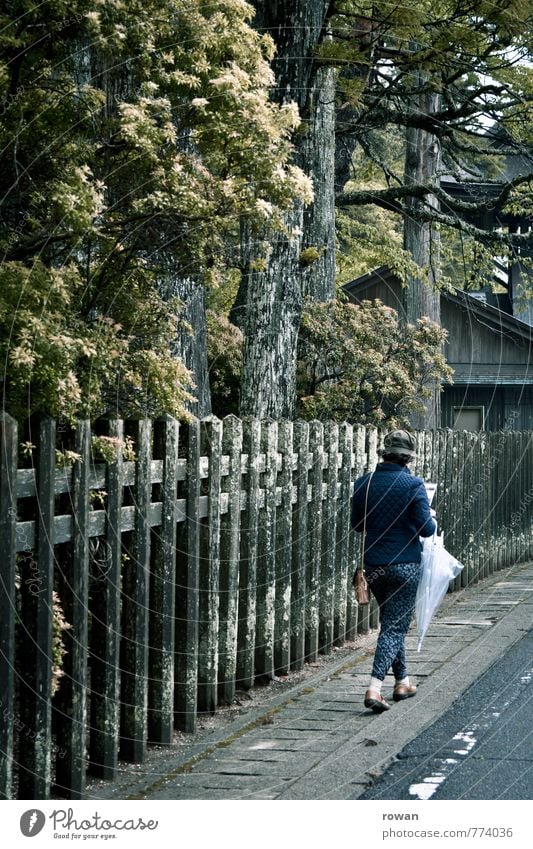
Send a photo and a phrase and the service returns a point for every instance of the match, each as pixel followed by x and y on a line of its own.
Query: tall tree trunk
pixel 317 158
pixel 271 325
pixel 190 343
pixel 421 296
pixel 268 305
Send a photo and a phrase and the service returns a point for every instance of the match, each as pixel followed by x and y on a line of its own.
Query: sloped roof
pixel 497 319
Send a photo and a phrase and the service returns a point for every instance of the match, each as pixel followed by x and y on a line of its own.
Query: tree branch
pixel 388 198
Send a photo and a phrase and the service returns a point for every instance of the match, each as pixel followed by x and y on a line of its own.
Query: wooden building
pixel 490 350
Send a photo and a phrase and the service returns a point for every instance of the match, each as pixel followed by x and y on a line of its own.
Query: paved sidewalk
pixel 317 741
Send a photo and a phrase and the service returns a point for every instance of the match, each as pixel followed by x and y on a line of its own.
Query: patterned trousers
pixel 394 588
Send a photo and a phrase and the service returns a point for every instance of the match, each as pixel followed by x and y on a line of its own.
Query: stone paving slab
pixel 319 745
pixel 285 768
pixel 246 753
pixel 241 784
pixel 313 727
pixel 259 745
pixel 331 698
pixel 446 631
pixel 302 736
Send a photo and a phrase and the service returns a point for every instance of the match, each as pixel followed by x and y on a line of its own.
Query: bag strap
pixel 363 538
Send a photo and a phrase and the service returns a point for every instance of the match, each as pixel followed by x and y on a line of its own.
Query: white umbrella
pixel 439 567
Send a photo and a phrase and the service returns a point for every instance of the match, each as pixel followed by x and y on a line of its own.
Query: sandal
pixel 375 701
pixel 403 691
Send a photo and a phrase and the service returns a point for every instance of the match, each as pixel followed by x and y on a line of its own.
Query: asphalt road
pixel 481 748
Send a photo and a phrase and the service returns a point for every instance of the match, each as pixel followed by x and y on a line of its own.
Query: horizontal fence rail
pixel 161 566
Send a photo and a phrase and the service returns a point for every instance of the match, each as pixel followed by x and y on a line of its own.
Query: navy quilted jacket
pixel 397 514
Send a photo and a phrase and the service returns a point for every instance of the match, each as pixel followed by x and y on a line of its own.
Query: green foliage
pixel 224 356
pixel 66 459
pixel 309 256
pixel 357 363
pixel 466 263
pixel 109 448
pixel 369 237
pixel 60 360
pixel 59 625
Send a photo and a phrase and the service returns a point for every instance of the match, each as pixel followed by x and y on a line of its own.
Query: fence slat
pixel 72 710
pixel 8 561
pixel 491 489
pixel 484 506
pixel 135 607
pixel 516 505
pixel 282 642
pixel 266 555
pixel 473 484
pixel 163 590
pixel 187 586
pixel 105 625
pixel 507 500
pixel 208 597
pixel 316 448
pixel 248 561
pixel 372 448
pixel 502 519
pixel 528 463
pixel 502 505
pixel 371 612
pixel 527 495
pixel 507 507
pixel 37 585
pixel 463 478
pixel 229 561
pixel 358 468
pixel 440 502
pixel 329 524
pixel 365 611
pixel 299 546
pixel 517 501
pixel 343 507
pixel 449 495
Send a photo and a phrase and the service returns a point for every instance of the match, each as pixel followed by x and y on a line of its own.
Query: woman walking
pixel 391 509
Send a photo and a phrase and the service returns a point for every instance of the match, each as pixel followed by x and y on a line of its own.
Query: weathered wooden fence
pixel 220 554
